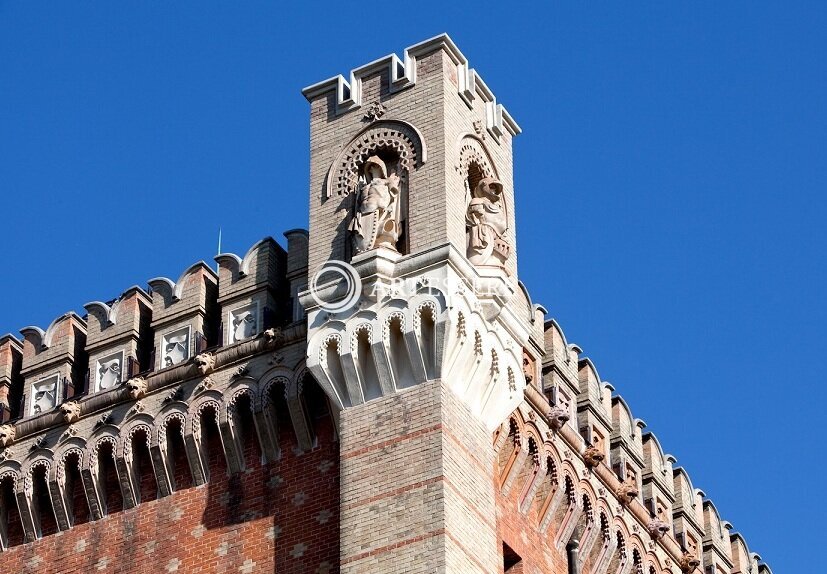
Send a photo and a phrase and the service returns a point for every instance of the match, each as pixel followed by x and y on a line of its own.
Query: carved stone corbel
pixel 70 411
pixel 593 456
pixel 657 528
pixel 204 363
pixel 7 435
pixel 688 563
pixel 627 492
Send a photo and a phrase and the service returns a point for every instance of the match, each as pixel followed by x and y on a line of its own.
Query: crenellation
pixel 626 445
pixel 297 268
pixel 184 316
pixel 54 363
pixel 252 291
pixel 593 418
pixel 119 341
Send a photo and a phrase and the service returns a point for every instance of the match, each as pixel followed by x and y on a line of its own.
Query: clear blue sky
pixel 670 190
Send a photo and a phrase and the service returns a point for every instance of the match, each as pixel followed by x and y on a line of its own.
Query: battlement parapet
pixel 632 464
pixel 252 290
pixel 183 314
pixel 401 73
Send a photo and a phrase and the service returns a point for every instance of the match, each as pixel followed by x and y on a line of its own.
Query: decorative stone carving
pixel 479 129
pixel 557 417
pixel 44 395
pixel 486 222
pixel 136 387
pixel 104 419
pixel 528 367
pixel 688 563
pixel 243 323
pixel 627 491
pixel 274 337
pixel 205 363
pixel 657 528
pixel 204 385
pixel 174 395
pixel 176 347
pixel 109 371
pixel 377 216
pixel 7 435
pixel 593 456
pixel 374 111
pixel 403 139
pixel 70 411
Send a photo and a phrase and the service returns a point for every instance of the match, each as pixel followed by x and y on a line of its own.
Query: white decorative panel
pixel 243 323
pixel 44 395
pixel 108 372
pixel 176 347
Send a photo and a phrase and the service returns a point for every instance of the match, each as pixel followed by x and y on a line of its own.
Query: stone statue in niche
pixel 486 222
pixel 377 216
pixel 109 372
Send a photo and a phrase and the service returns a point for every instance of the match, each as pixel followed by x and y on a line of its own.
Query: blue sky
pixel 670 190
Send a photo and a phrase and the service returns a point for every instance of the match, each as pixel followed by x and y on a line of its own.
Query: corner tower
pixel 425 348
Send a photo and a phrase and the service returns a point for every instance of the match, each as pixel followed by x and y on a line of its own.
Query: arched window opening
pixel 600 547
pixel 619 558
pixel 142 466
pixel 400 361
pixel 545 491
pixel 211 443
pixel 42 510
pixel 427 339
pixel 245 425
pixel 284 425
pixel 177 455
pixel 76 505
pixel 108 482
pixel 530 471
pixel 317 408
pixel 637 562
pixel 333 362
pixel 11 528
pixel 509 449
pixel 366 365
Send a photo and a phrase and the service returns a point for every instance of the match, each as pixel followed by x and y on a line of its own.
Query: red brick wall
pixel 281 517
pixel 520 530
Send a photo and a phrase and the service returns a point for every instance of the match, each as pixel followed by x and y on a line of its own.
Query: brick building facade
pixel 410 411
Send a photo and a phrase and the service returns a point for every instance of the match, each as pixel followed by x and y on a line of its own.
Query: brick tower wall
pixel 417 491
